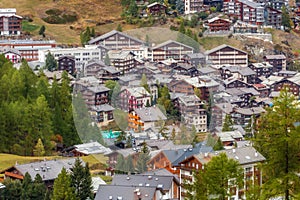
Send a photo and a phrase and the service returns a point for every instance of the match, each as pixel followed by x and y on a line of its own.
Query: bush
pixel 53 12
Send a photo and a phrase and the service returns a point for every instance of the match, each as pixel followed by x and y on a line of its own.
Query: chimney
pixel 233 150
pixel 255 154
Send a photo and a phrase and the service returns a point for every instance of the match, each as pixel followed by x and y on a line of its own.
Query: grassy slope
pixel 8 160
pixel 90 12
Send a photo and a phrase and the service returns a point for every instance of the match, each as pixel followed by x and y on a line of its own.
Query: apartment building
pixel 226 55
pixel 193 6
pixel 10 23
pixel 245 10
pixel 81 54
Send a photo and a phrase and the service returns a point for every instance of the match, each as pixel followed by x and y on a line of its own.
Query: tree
pixel 119 28
pixel 62 189
pixel 180 6
pixel 93 34
pixel 228 123
pixel 120 163
pixel 142 160
pixel 107 60
pixel 147 43
pixel 51 63
pixel 214 180
pixel 278 140
pixel 39 149
pixel 12 190
pixel 197 92
pixel 42 30
pixel 39 189
pixel 26 187
pixel 81 180
pixel 173 134
pixel 182 27
pixel 286 20
pixel 133 9
pixel 144 82
pixel 218 145
pixel 129 167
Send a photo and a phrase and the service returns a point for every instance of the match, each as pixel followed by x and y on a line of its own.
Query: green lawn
pixel 27 26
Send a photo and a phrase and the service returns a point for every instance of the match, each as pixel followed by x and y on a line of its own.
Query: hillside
pixel 94 13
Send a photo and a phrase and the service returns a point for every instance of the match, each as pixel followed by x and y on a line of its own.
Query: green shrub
pixel 53 12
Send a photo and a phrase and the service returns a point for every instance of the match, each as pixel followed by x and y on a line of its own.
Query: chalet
pixel 262 69
pixel 102 114
pixel 248 158
pixel 169 159
pixel 278 62
pixel 115 40
pixel 186 69
pixel 122 60
pixel 47 169
pixel 196 59
pixel 105 192
pixel 143 118
pixel 156 8
pixel 170 49
pixel 95 95
pixel 287 73
pixel 208 71
pixel 219 112
pixel 234 83
pixel 263 90
pixel 242 97
pixel 98 69
pixel 169 185
pixel 181 86
pixel 205 84
pixel 10 23
pixel 193 112
pixel 67 63
pixel 245 74
pixel 218 24
pixel 86 149
pixel 229 138
pixel 273 17
pixel 11 54
pixel 28 48
pixel 243 116
pixel 293 84
pixel 245 10
pixel 58 75
pixel 132 98
pixel 227 55
pixel 193 6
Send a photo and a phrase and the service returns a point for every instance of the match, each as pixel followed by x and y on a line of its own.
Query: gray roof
pixel 171 41
pixel 128 192
pixel 92 148
pixel 241 91
pixel 119 54
pixel 7 49
pixel 190 100
pixel 98 88
pixel 250 111
pixel 150 114
pixel 106 35
pixel 202 81
pixel 227 136
pixel 196 55
pixel 206 70
pixel 245 155
pixel 250 3
pixel 245 71
pixel 48 169
pixel 102 107
pixel 144 180
pixel 225 107
pixel 272 57
pixel 96 181
pixel 235 127
pixel 221 47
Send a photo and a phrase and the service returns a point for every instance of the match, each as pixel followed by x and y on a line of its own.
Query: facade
pixel 248 158
pixel 11 54
pixel 81 54
pixel 67 63
pixel 243 116
pixel 292 83
pixel 10 23
pixel 132 98
pixel 226 55
pixel 278 62
pixel 245 10
pixel 273 17
pixel 264 69
pixel 245 74
pixel 123 60
pixel 115 40
pixel 193 6
pixel 96 95
pixel 196 59
pixel 193 112
pixel 186 69
pixel 217 24
pixel 29 49
pixel 156 8
pixel 102 114
pixel 143 118
pixel 47 169
pixel 170 50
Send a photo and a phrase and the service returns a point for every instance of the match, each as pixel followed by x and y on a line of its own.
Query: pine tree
pixel 62 189
pixel 129 167
pixel 278 140
pixel 107 60
pixel 39 149
pixel 39 190
pixel 26 187
pixel 228 124
pixel 120 163
pixel 51 63
pixel 42 30
pixel 119 28
pixel 141 163
pixel 81 180
pixel 12 190
pixel 286 20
